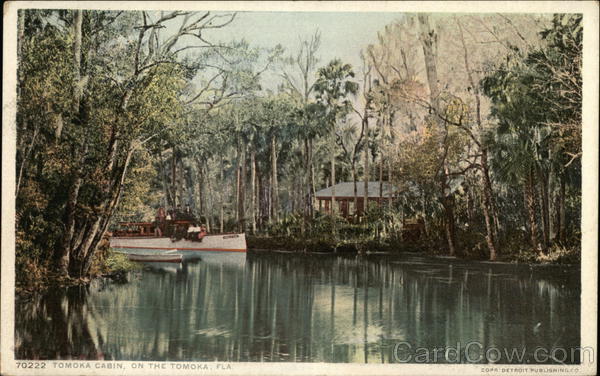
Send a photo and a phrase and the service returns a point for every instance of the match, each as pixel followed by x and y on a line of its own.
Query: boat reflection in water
pixel 171 267
pixel 311 308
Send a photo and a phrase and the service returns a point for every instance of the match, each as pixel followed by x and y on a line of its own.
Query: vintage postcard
pixel 302 188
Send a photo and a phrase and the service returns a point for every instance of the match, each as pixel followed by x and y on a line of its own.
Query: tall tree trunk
pixel 448 205
pixel 242 207
pixel 469 207
pixel 529 196
pixel 449 224
pixel 253 189
pixel 390 192
pixel 195 189
pixel 260 199
pixel 238 187
pixel 333 202
pixel 180 185
pixel 560 210
pixel 64 251
pixel 110 206
pixel 488 226
pixel 426 225
pixel 291 196
pixel 269 197
pixel 309 183
pixel 545 202
pixel 274 187
pixel 497 234
pixel 189 186
pixel 381 146
pixel 208 208
pixel 489 212
pixel 200 185
pixel 77 37
pixel 20 35
pixel 174 177
pixel 20 41
pixel 26 156
pixel 164 174
pixel 488 208
pixel 221 198
pixel 305 189
pixel 313 183
pixel 355 184
pixel 380 179
pixel 366 167
pixel 428 38
pixel 90 230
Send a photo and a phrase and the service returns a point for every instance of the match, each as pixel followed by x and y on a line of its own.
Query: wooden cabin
pixel 344 197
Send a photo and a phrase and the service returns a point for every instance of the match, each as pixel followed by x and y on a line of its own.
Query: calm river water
pixel 312 308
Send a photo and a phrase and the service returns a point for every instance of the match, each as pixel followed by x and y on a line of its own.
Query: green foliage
pixel 83 126
pixel 116 262
pixel 31 266
pixel 538 97
pixel 333 86
pixel 139 197
pixel 147 115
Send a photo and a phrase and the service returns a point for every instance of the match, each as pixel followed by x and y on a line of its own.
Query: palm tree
pixel 333 86
pixel 521 147
pixel 514 165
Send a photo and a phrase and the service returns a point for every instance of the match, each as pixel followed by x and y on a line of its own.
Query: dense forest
pixel 476 119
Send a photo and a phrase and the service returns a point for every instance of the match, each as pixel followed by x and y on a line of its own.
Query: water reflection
pixel 309 308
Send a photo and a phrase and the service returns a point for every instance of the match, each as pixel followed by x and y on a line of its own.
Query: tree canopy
pixel 475 119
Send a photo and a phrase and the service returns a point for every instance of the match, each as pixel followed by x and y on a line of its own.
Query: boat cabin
pixel 134 229
pixel 167 228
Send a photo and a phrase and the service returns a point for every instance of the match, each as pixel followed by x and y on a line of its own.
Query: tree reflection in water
pixel 287 307
pixel 56 326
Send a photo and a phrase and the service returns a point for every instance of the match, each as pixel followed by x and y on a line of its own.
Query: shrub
pixel 116 262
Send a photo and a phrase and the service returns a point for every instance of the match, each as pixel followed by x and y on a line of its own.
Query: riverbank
pixel 283 243
pixel 35 278
pixel 555 255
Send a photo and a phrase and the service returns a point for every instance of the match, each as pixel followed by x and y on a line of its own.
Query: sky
pixel 343 34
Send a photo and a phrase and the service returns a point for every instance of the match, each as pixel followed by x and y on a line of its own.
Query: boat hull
pixel 175 258
pixel 223 247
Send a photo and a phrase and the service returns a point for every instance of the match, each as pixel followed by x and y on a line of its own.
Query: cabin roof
pixel 346 189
